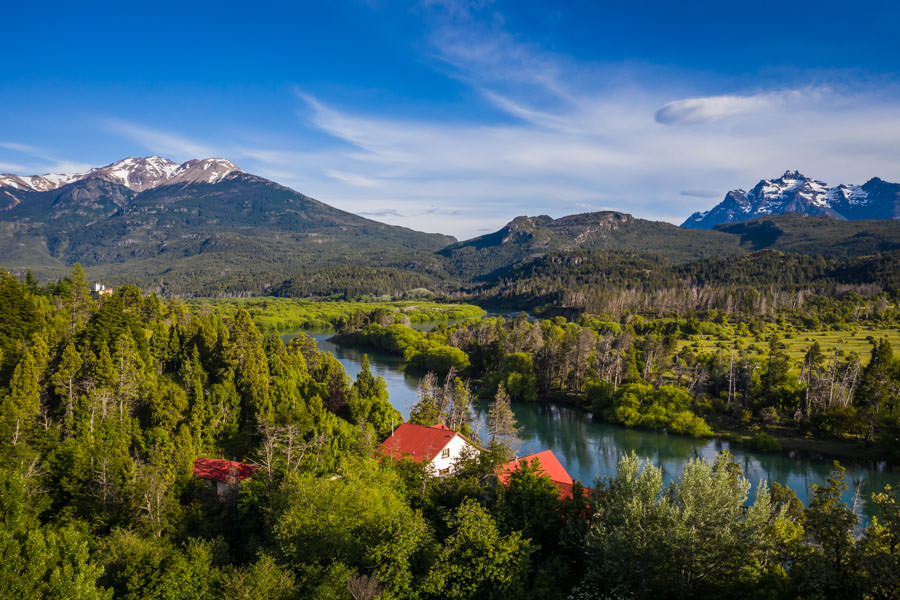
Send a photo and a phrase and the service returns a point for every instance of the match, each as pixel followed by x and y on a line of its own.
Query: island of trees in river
pixel 105 403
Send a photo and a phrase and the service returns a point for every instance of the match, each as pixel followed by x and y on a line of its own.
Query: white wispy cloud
pixel 563 137
pixel 702 110
pixel 36 161
pixel 7 167
pixel 579 136
pixel 160 142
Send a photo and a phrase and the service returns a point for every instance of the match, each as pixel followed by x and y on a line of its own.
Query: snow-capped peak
pixel 138 174
pixel 794 192
pixel 38 183
pixel 208 170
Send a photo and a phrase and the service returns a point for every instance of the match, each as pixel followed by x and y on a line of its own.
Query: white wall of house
pixel 443 462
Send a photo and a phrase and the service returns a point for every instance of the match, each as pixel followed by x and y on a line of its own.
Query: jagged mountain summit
pixel 794 192
pixel 137 174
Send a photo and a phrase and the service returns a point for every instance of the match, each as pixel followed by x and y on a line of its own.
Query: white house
pixel 438 446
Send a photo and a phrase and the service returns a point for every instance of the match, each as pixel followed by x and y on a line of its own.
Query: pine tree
pixel 22 404
pixel 251 370
pixel 80 298
pixel 501 421
pixel 876 387
pixel 194 379
pixel 129 375
pixel 425 411
pixel 460 413
pixel 65 378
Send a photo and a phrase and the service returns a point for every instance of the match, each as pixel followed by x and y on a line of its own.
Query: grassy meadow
pixel 283 314
pixel 858 340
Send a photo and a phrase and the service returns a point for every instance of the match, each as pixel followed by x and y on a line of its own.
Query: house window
pixel 445 453
pixel 444 471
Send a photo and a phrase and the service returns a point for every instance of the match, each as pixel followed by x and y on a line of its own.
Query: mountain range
pixel 207 227
pixel 794 192
pixel 136 174
pixel 202 220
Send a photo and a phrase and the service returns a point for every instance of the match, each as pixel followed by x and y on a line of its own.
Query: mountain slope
pixel 204 221
pixel 805 234
pixel 793 192
pixel 525 238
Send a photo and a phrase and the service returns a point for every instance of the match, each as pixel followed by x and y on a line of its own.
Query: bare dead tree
pixel 364 587
pixel 156 484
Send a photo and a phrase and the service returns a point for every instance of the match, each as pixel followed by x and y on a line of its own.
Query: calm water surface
pixel 590 449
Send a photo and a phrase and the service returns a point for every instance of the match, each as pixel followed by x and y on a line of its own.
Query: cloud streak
pixel 560 137
pixel 38 161
pixel 160 142
pixel 703 110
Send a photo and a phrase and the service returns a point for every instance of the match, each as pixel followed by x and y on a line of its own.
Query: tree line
pixel 639 372
pixel 105 403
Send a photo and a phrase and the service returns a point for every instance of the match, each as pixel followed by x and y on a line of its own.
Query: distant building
pixel 438 446
pixel 102 290
pixel 226 475
pixel 549 466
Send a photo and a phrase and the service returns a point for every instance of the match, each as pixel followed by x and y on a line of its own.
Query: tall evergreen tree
pixel 878 386
pixel 501 422
pixel 21 406
pixel 65 378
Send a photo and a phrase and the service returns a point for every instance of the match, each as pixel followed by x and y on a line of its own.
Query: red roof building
pixel 548 465
pixel 217 469
pixel 438 445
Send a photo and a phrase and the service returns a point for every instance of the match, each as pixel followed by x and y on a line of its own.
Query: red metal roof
pixel 549 466
pixel 217 469
pixel 418 442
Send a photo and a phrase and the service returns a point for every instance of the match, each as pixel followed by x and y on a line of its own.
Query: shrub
pixel 763 442
pixel 688 423
pixel 769 415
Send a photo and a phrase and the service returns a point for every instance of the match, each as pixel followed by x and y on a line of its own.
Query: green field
pixel 798 342
pixel 282 314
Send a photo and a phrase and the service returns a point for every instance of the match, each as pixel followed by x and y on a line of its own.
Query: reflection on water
pixel 590 449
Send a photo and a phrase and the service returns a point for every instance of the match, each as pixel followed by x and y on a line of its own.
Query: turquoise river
pixel 590 449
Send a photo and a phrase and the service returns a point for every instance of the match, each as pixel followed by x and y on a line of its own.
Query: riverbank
pixel 791 442
pixel 784 440
pixel 591 449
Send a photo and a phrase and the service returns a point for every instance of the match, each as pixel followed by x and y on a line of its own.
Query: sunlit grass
pixel 282 314
pixel 798 342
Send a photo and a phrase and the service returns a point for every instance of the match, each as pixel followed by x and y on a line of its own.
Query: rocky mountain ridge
pixel 136 174
pixel 794 192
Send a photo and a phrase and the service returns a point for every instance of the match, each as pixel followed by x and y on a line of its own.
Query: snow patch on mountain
pixel 795 192
pixel 138 174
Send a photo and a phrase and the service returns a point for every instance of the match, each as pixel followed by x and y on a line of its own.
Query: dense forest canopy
pixel 105 403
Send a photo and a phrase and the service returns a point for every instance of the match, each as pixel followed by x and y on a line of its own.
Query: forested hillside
pixel 240 234
pixel 105 404
pixel 616 283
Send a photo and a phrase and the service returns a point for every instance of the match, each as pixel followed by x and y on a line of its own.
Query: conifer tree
pixel 501 421
pixel 425 411
pixel 22 404
pixel 80 297
pixel 65 378
pixel 129 375
pixel 876 388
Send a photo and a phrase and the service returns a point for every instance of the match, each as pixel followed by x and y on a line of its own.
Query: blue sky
pixel 457 116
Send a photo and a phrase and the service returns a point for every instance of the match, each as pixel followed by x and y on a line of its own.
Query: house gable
pixel 438 445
